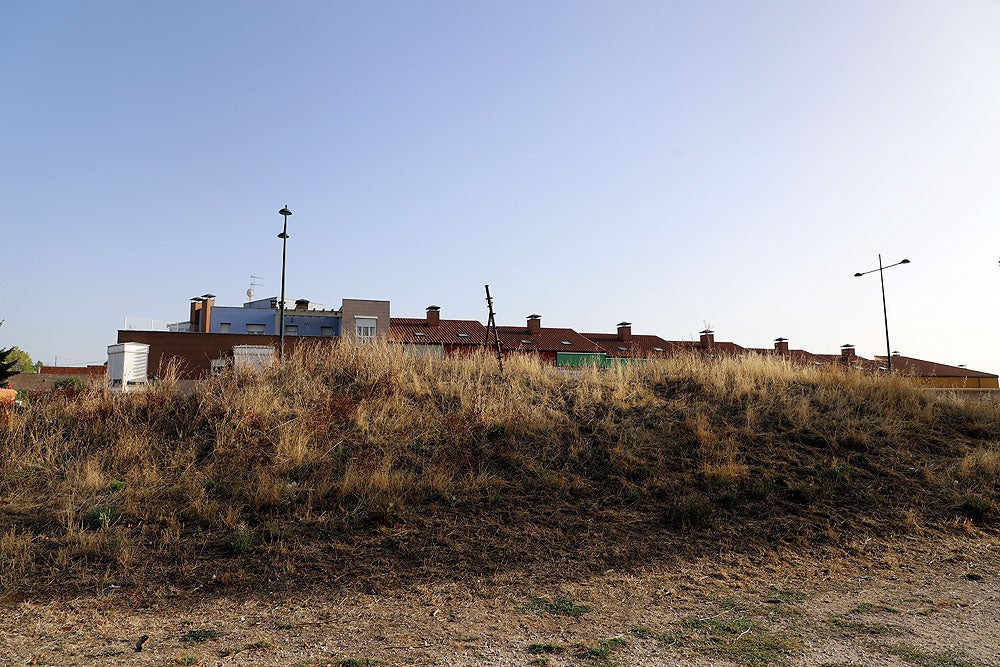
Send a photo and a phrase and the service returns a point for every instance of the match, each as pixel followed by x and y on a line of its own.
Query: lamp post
pixel 885 313
pixel 281 319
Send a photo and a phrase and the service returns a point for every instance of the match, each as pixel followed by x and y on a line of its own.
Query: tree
pixel 8 365
pixel 22 361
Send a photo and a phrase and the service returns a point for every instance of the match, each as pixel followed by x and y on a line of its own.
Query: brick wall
pixel 194 351
pixel 354 308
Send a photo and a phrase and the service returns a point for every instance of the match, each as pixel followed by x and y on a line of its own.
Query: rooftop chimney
pixel 433 316
pixel 194 319
pixel 534 324
pixel 707 339
pixel 208 300
pixel 302 304
pixel 847 352
pixel 625 331
pixel 781 346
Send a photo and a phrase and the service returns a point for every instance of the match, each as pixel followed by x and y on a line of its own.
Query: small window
pixel 623 349
pixel 420 334
pixel 291 329
pixel 526 342
pixel 225 327
pixel 255 329
pixel 657 349
pixel 365 327
pixel 463 335
pixel 326 331
pixel 566 342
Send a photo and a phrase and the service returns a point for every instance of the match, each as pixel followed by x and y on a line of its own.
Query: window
pixel 291 329
pixel 326 331
pixel 463 335
pixel 255 328
pixel 365 327
pixel 566 342
pixel 657 349
pixel 225 327
pixel 419 334
pixel 526 342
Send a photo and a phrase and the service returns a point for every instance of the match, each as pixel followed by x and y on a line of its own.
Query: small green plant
pixel 101 516
pixel 555 606
pixel 188 660
pixel 547 648
pixel 199 636
pixel 357 662
pixel 977 507
pixel 74 384
pixel 240 538
pixel 116 486
pixel 691 511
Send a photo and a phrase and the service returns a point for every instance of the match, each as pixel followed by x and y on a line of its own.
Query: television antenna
pixel 255 281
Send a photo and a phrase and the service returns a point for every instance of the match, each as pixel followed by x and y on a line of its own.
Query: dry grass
pixel 435 465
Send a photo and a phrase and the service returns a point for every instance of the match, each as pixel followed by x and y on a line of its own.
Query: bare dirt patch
pixel 912 602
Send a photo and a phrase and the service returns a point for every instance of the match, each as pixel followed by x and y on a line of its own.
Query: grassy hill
pixel 368 467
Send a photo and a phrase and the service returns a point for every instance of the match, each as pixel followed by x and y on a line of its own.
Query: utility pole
pixel 491 327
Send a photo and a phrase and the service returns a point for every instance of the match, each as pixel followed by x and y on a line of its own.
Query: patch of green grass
pixel 188 660
pixel 602 650
pixel 691 511
pixel 357 662
pixel 642 632
pixel 783 596
pixel 921 658
pixel 977 507
pixel 555 606
pixel 847 629
pixel 872 608
pixel 116 486
pixel 199 636
pixel 547 648
pixel 735 638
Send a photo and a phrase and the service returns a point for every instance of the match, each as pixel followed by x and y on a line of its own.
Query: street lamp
pixel 885 313
pixel 281 320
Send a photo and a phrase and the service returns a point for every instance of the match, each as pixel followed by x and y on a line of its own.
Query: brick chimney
pixel 302 304
pixel 534 324
pixel 194 319
pixel 625 332
pixel 847 354
pixel 433 316
pixel 707 339
pixel 781 346
pixel 208 301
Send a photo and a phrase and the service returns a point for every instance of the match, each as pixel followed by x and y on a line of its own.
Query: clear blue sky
pixel 670 164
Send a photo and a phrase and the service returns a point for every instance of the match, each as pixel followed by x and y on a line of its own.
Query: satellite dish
pixel 250 293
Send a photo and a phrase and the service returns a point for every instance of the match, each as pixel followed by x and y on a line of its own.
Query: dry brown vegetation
pixel 372 467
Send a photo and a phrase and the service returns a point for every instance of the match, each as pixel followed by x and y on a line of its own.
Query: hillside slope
pixel 366 466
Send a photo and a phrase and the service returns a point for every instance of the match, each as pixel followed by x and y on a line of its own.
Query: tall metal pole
pixel 885 315
pixel 885 311
pixel 281 319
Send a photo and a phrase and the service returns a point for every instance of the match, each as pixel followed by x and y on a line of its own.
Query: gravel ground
pixel 927 603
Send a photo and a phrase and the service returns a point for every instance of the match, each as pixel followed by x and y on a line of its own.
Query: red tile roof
pixel 640 345
pixel 548 339
pixel 446 332
pixel 921 368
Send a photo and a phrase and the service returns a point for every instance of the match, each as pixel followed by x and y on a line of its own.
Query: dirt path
pixel 925 604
